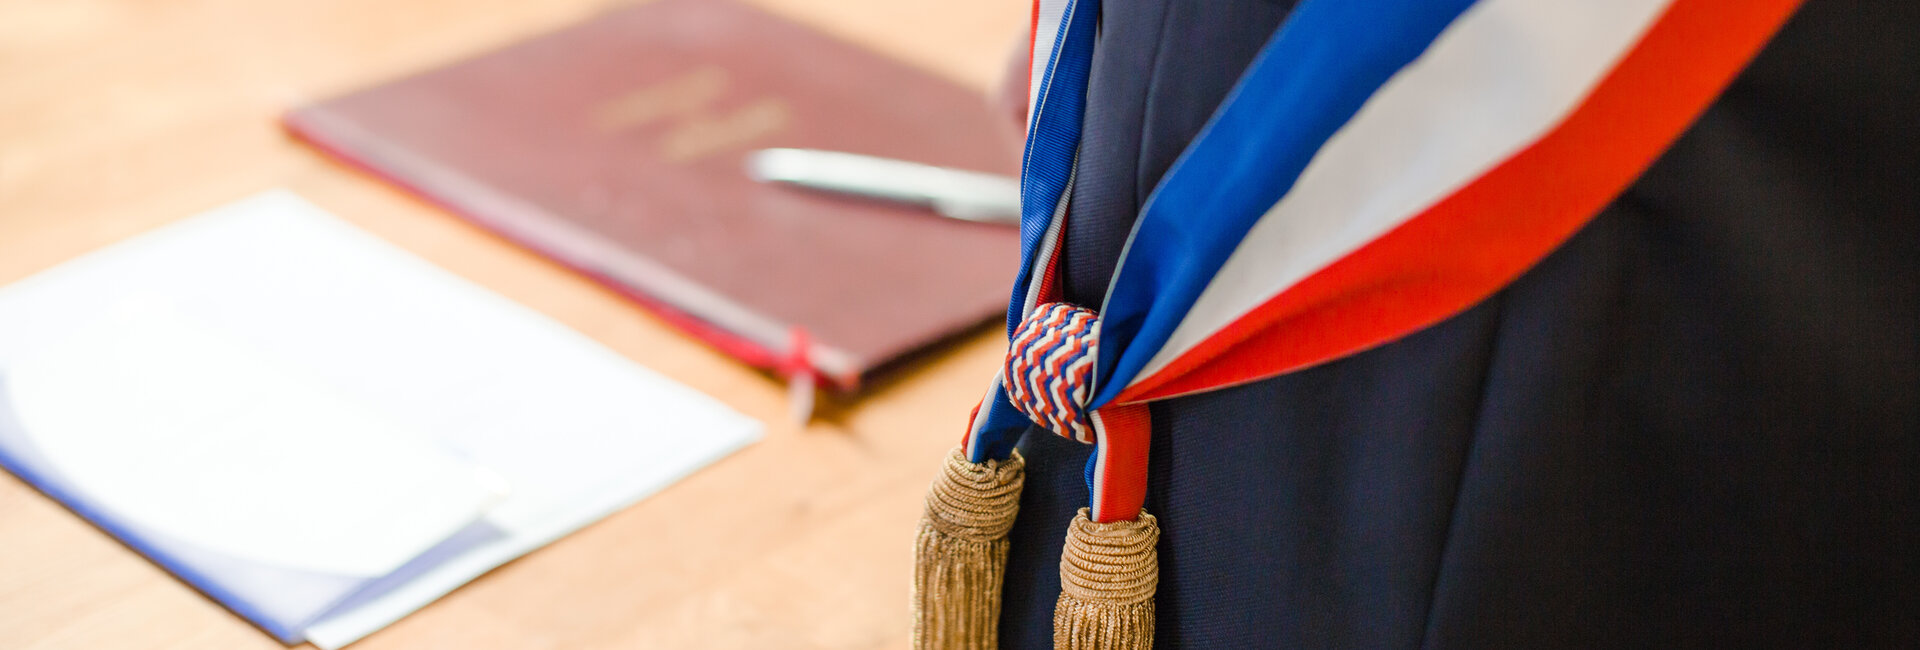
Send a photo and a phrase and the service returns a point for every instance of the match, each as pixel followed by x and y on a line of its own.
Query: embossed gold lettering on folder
pixel 616 147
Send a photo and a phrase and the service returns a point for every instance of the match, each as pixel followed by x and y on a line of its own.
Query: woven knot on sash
pixel 1049 371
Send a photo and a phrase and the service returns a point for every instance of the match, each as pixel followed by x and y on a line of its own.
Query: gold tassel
pixel 961 557
pixel 1108 574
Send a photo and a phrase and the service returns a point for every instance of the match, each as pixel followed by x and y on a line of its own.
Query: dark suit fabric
pixel 1695 424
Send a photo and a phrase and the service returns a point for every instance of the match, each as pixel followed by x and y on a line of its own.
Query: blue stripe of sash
pixel 1053 137
pixel 1307 82
pixel 996 437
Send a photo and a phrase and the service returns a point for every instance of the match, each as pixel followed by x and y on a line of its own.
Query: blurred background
pixel 120 116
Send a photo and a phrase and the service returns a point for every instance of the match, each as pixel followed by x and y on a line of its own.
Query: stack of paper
pixel 317 429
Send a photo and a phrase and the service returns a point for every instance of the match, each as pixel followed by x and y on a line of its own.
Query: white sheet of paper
pixel 577 430
pixel 195 437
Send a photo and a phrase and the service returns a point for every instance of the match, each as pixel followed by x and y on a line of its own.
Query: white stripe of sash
pixel 1044 33
pixel 1499 78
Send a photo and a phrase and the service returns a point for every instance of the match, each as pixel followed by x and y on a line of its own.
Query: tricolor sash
pixel 1380 166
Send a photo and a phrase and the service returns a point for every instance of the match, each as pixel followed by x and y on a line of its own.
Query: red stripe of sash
pixel 1510 218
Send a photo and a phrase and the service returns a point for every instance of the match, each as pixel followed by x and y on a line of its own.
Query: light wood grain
pixel 117 116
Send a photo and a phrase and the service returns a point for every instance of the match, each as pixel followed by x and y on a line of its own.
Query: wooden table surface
pixel 117 116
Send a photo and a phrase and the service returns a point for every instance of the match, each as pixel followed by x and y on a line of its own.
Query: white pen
pixel 956 193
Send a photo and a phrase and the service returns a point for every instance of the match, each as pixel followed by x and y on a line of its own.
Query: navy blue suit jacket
pixel 1697 423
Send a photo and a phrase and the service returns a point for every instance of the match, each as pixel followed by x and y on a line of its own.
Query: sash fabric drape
pixel 1695 423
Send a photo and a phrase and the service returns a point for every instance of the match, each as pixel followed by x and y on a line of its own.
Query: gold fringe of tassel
pixel 1108 574
pixel 961 557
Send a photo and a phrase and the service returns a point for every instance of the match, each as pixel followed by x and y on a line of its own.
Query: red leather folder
pixel 617 147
